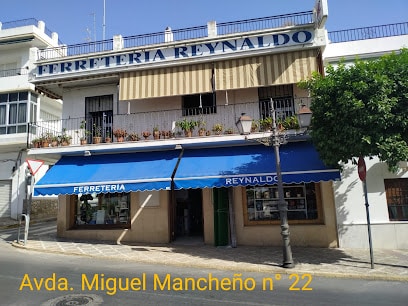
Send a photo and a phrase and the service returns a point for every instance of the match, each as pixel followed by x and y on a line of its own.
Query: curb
pixel 258 268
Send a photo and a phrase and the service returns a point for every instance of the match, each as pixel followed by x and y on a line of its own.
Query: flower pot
pixel 156 135
pixel 188 133
pixel 83 142
pixel 201 132
pixel 146 134
pixel 97 139
pixel 120 138
pixel 108 139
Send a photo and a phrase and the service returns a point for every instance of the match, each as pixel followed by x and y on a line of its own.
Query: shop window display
pixel 103 210
pixel 262 204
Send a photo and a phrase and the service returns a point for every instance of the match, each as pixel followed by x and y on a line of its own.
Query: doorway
pixel 99 116
pixel 189 225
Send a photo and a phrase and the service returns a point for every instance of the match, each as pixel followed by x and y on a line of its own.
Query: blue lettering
pixel 121 60
pixel 66 67
pixel 261 42
pixel 195 49
pixel 307 36
pixel 229 45
pixel 41 69
pixel 80 65
pixel 93 62
pixel 276 40
pixel 247 42
pixel 138 55
pixel 159 54
pixel 180 51
pixel 107 61
pixel 211 47
pixel 130 56
pixel 52 68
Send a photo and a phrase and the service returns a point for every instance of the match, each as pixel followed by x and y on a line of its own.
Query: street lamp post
pixel 277 139
pixel 282 204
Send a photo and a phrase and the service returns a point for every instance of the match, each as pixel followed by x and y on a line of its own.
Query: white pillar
pixel 118 43
pixel 212 28
pixel 168 35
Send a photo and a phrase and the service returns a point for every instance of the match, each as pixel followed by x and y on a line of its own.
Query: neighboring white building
pixel 387 192
pixel 19 105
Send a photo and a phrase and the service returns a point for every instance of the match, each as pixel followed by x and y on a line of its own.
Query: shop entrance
pixel 189 214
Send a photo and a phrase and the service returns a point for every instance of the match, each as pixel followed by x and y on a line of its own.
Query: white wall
pixel 74 99
pixel 351 211
pixel 363 48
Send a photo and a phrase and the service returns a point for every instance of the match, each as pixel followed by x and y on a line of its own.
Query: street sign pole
pixel 362 174
pixel 33 166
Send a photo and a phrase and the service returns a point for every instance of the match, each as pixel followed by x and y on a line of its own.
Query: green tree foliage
pixel 361 110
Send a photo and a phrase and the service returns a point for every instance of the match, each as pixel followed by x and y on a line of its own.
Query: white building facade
pixel 219 186
pixel 387 192
pixel 20 104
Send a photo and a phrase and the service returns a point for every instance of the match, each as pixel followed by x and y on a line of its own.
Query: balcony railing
pixel 24 23
pixel 256 24
pixel 13 72
pixel 388 30
pixel 74 129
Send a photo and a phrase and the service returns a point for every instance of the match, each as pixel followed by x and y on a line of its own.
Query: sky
pixel 79 21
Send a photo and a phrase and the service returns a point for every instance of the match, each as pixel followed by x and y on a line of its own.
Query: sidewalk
pixel 345 263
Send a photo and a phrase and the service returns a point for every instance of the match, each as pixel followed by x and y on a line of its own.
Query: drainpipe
pixel 173 196
pixel 231 214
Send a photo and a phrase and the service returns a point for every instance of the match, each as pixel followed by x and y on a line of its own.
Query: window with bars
pixel 396 191
pixel 282 96
pixel 199 104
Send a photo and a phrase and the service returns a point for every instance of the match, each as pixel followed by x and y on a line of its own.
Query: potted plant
pixel 187 126
pixel 254 126
pixel 266 124
pixel 36 142
pixel 146 134
pixel 201 128
pixel 290 123
pixel 83 133
pixel 97 134
pixel 156 133
pixel 108 138
pixel 165 134
pixel 54 141
pixel 46 140
pixel 65 139
pixel 133 137
pixel 217 128
pixel 229 131
pixel 120 134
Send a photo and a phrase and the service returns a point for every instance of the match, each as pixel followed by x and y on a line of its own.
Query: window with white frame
pixel 15 112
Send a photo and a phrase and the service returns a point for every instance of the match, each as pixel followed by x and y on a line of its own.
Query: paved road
pixel 22 271
pixel 43 229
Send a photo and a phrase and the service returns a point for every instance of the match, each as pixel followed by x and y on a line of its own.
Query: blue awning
pixel 109 173
pixel 251 165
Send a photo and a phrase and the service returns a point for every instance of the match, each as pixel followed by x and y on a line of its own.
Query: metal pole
pixel 368 225
pixel 104 16
pixel 283 205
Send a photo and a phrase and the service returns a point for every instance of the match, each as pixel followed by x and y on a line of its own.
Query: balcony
pixel 177 35
pixel 60 135
pixel 13 72
pixel 381 31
